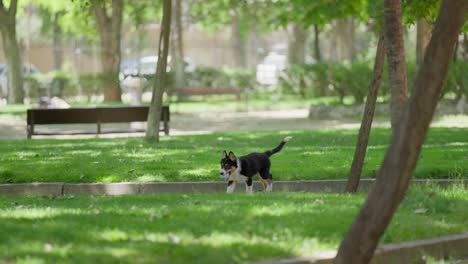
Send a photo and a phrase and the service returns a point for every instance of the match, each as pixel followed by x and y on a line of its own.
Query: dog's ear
pixel 232 156
pixel 224 155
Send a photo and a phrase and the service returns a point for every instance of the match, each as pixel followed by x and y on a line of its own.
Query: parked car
pixel 269 69
pixel 28 69
pixel 147 65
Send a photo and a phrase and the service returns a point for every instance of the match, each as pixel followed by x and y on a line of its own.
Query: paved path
pixel 13 127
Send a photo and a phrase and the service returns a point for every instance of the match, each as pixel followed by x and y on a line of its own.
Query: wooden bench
pixel 206 91
pixel 92 115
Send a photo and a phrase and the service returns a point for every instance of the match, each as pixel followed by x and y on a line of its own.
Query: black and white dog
pixel 243 169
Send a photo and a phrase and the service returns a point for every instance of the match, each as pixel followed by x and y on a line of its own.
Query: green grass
pixel 317 154
pixel 206 228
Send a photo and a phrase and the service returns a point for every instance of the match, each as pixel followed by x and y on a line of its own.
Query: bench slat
pixel 92 115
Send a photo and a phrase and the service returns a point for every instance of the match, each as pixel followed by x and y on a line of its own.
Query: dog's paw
pixel 286 139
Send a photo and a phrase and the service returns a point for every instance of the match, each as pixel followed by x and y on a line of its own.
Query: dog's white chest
pixel 237 177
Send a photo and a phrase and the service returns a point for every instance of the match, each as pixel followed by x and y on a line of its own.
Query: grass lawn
pixel 206 228
pixel 318 154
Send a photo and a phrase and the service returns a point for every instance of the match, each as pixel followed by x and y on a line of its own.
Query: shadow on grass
pixel 205 228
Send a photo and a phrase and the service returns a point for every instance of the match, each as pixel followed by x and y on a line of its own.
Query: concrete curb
pixel 445 247
pixel 32 189
pixel 60 188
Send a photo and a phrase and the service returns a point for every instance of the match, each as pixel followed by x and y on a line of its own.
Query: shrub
pixel 327 79
pixel 457 79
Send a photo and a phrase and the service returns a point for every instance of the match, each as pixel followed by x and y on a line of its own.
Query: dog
pixel 243 169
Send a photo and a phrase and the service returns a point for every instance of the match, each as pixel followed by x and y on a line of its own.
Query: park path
pixel 13 127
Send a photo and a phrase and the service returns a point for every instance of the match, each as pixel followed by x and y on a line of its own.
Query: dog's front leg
pixel 249 185
pixel 231 186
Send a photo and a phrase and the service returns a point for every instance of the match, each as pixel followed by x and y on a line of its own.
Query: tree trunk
pixel 12 54
pixel 465 46
pixel 351 38
pixel 423 34
pixel 318 55
pixel 395 173
pixel 178 45
pixel 154 115
pixel 238 43
pixel 297 44
pixel 109 33
pixel 393 31
pixel 366 124
pixel 57 42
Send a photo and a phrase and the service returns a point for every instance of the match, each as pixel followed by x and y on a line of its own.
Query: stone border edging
pixel 60 188
pixel 451 246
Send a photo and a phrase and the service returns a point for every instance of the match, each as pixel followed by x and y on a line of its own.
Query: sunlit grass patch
pixel 207 227
pixel 318 154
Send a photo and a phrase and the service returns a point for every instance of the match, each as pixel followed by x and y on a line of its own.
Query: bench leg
pixel 166 128
pixel 29 131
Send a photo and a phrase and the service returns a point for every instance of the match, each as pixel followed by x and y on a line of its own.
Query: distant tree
pixel 366 123
pixel 51 27
pixel 393 31
pixel 318 14
pixel 394 176
pixel 12 51
pixel 154 115
pixel 109 23
pixel 297 43
pixel 177 45
pixel 422 13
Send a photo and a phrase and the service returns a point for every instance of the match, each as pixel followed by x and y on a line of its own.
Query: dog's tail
pixel 270 153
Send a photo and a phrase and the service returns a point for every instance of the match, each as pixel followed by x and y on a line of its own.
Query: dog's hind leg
pixel 268 178
pixel 269 181
pixel 231 186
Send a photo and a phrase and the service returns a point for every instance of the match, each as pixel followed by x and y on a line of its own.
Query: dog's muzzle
pixel 224 175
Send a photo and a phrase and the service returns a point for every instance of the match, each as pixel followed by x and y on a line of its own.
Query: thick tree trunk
pixel 423 34
pixel 154 115
pixel 297 44
pixel 238 43
pixel 394 176
pixel 177 46
pixel 393 31
pixel 366 124
pixel 109 33
pixel 58 43
pixel 13 59
pixel 318 55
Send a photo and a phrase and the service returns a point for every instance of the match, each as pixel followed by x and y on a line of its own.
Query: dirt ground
pixel 14 127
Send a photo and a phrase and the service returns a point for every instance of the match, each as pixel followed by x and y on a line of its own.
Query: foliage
pixel 320 154
pixel 319 12
pixel 457 79
pixel 208 77
pixel 328 79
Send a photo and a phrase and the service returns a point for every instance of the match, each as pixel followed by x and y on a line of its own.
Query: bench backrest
pixel 92 115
